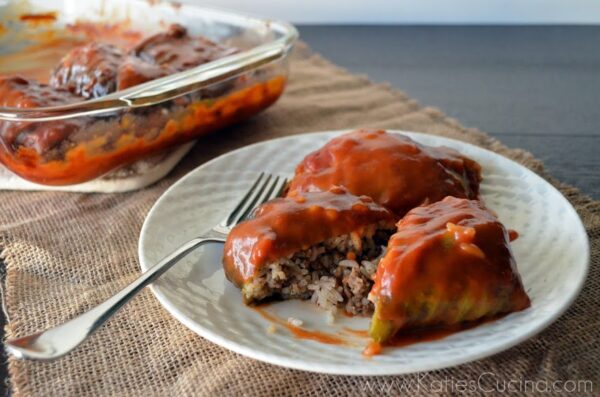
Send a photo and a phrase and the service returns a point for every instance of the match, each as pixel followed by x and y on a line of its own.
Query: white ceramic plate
pixel 552 254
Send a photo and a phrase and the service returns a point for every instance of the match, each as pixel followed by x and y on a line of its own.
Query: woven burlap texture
pixel 66 252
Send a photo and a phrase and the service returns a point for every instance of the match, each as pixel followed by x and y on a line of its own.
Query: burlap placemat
pixel 65 252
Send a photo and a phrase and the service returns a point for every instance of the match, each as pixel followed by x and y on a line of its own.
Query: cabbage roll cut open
pixel 310 245
pixel 448 262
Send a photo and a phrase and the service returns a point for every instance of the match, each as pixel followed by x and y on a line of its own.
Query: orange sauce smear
pixel 302 333
pixel 462 234
pixel 357 332
pixel 472 249
pixel 38 19
pixel 88 160
pixel 401 339
pixel 372 349
pixel 346 313
pixel 322 337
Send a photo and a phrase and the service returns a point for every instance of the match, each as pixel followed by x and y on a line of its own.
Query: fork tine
pixel 248 204
pixel 262 198
pixel 264 188
pixel 248 196
pixel 275 191
pixel 278 189
pixel 268 193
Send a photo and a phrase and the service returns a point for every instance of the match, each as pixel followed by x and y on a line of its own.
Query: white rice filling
pixel 324 274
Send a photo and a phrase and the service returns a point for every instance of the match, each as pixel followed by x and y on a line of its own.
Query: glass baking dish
pixel 74 143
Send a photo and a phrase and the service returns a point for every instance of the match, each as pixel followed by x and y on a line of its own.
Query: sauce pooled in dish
pixel 107 59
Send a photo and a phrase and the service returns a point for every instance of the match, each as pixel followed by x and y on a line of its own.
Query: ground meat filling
pixel 336 273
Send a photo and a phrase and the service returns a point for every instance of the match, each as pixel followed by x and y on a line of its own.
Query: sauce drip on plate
pixel 36 19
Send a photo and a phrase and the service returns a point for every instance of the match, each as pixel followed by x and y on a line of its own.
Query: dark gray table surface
pixel 537 88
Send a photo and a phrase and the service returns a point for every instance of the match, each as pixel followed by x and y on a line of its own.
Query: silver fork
pixel 59 340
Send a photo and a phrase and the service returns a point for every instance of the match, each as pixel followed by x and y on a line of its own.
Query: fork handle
pixel 61 339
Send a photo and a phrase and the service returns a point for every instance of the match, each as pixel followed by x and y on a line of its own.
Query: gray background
pixel 535 87
pixel 429 12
